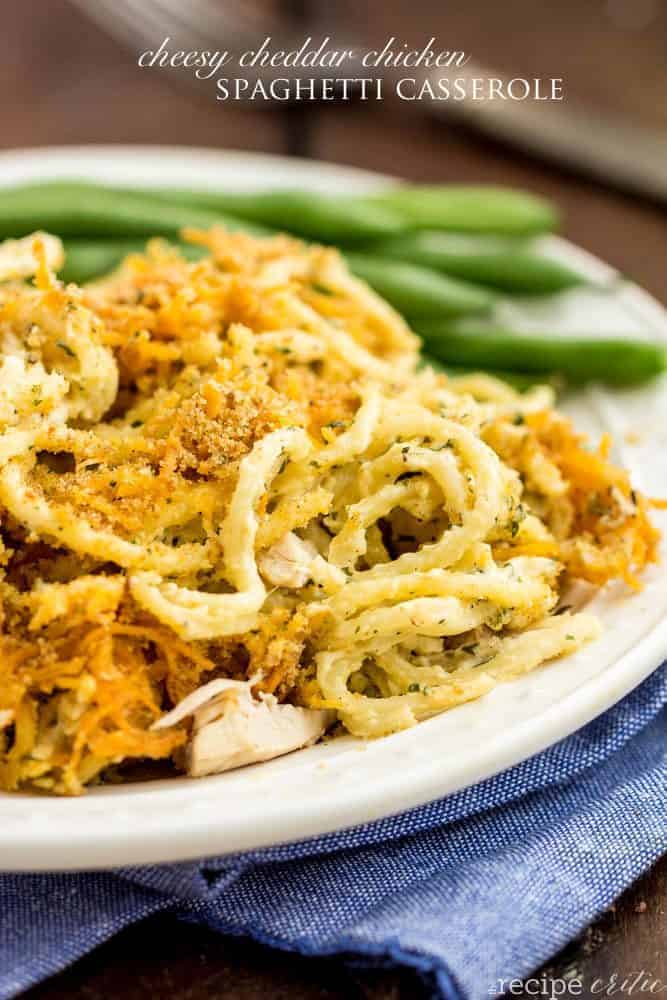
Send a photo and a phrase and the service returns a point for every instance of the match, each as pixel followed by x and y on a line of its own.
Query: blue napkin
pixel 471 890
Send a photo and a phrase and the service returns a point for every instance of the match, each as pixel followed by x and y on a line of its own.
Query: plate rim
pixel 28 842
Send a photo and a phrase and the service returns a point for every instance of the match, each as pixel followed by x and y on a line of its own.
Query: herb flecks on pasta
pixel 233 469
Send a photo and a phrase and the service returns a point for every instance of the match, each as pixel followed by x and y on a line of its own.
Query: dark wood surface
pixel 64 82
pixel 164 958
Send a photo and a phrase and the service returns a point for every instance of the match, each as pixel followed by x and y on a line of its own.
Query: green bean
pixel 352 218
pixel 417 291
pixel 313 215
pixel 80 209
pixel 616 360
pixel 508 263
pixel 482 209
pixel 89 259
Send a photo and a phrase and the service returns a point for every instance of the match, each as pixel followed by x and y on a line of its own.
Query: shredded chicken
pixel 233 728
pixel 288 563
pixel 19 260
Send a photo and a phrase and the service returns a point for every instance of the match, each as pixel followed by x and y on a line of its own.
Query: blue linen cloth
pixel 470 890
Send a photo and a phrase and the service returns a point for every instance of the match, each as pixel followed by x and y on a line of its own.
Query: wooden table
pixel 63 81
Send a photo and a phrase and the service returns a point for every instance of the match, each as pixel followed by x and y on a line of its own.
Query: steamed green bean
pixel 468 209
pixel 324 217
pixel 321 217
pixel 418 291
pixel 507 263
pixel 580 359
pixel 78 209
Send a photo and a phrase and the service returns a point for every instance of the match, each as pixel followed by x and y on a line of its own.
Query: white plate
pixel 347 781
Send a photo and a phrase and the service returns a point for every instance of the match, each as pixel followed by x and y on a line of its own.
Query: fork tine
pixel 243 19
pixel 200 25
